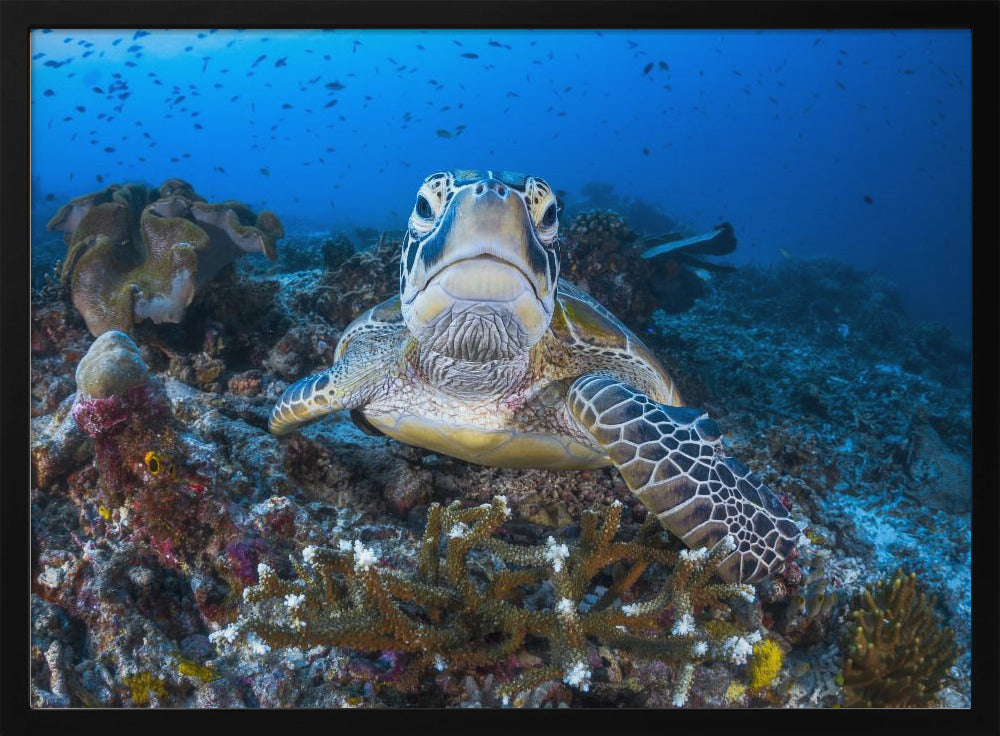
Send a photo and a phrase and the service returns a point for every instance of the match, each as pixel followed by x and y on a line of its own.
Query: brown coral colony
pixel 138 253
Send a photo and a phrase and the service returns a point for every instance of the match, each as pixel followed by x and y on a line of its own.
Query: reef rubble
pixel 166 520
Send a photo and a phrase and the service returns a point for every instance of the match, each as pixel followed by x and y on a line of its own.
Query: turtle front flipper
pixel 346 385
pixel 309 399
pixel 672 458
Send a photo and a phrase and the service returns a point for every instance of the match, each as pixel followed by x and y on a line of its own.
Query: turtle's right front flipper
pixel 316 396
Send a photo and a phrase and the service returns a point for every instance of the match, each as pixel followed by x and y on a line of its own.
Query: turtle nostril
pixel 501 190
pixel 480 188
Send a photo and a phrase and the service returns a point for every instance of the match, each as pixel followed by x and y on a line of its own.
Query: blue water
pixel 851 145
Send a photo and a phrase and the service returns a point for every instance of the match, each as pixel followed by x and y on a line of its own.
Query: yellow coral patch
pixel 735 691
pixel 193 669
pixel 765 664
pixel 142 684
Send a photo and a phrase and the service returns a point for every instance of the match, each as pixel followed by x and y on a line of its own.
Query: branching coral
pixel 474 600
pixel 135 252
pixel 897 651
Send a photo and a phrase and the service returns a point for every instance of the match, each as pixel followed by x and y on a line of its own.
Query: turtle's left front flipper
pixel 672 459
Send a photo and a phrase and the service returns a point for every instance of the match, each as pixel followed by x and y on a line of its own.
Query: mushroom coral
pixel 138 253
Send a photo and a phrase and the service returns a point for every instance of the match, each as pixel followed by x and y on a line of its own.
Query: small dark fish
pixel 50 197
pixel 130 63
pixel 513 94
pixel 909 71
pixel 109 149
pixel 442 133
pixel 265 172
pixel 469 55
pixel 645 151
pixel 198 126
pixel 664 66
pixel 179 98
pixel 134 47
pixel 331 103
pixel 281 62
pixel 648 68
pixel 737 72
pixel 840 84
pixel 868 199
pixel 334 85
pixel 38 56
pixel 99 178
pixel 496 43
pixel 139 34
pixel 286 106
pixel 48 93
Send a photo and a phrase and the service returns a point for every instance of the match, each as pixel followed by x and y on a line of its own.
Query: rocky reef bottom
pixel 184 557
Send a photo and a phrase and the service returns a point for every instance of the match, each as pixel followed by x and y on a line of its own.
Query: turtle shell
pixel 584 324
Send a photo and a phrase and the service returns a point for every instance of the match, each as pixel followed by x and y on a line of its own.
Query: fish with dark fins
pixel 648 68
pixel 469 55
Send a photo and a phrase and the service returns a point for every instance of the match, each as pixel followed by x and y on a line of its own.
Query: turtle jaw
pixel 478 309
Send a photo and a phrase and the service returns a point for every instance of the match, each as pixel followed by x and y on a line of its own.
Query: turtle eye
pixel 424 208
pixel 549 218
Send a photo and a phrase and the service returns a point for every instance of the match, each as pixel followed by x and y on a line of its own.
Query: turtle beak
pixel 485 223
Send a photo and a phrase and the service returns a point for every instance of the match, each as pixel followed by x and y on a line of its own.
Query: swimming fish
pixel 646 69
pixel 720 241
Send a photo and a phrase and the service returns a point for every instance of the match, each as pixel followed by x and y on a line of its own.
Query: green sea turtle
pixel 486 355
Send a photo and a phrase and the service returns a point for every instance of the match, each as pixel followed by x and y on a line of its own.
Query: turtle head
pixel 479 264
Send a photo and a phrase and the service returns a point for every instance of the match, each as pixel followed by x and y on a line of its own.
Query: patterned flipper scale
pixel 672 458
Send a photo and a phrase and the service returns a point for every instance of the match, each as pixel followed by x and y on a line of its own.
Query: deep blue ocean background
pixel 852 145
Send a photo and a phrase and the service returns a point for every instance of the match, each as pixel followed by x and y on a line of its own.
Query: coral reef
pixel 896 651
pixel 358 282
pixel 602 256
pixel 460 612
pixel 137 253
pixel 147 530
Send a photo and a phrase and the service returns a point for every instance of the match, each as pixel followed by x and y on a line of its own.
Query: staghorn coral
pixel 135 252
pixel 480 600
pixel 896 651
